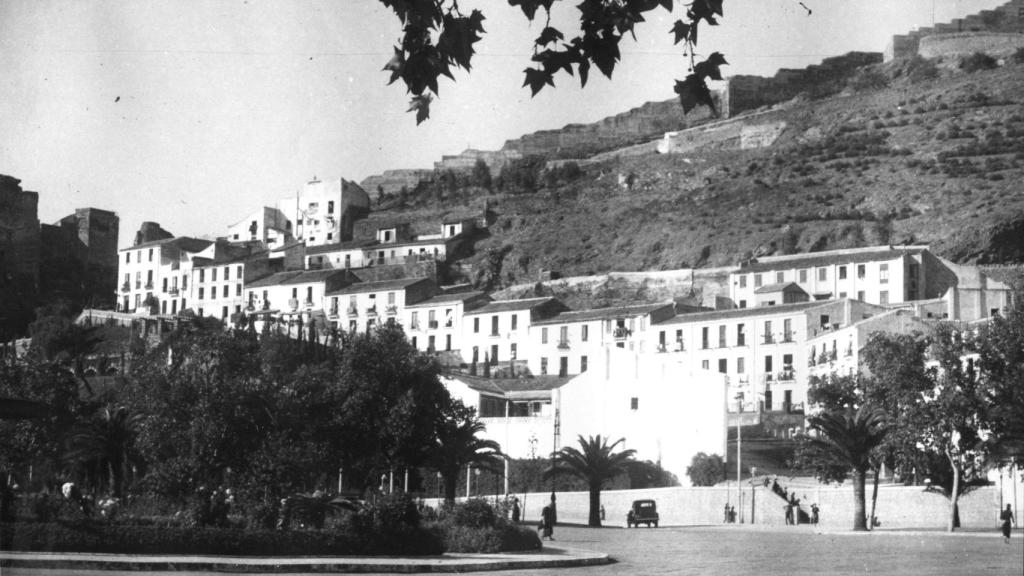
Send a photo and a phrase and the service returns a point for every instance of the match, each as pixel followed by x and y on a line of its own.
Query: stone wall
pixel 899 507
pixel 956 45
pixel 1006 18
pixel 392 181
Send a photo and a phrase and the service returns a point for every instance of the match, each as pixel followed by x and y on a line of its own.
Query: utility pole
pixel 739 446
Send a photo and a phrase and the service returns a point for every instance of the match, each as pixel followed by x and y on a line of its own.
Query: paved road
pixel 796 551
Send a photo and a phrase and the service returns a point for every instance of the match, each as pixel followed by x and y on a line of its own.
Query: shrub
pixel 920 69
pixel 475 513
pixel 489 540
pixel 978 61
pixel 868 79
pixel 1018 56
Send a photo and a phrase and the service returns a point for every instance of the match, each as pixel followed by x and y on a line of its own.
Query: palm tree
pixel 595 463
pixel 108 441
pixel 456 446
pixel 848 439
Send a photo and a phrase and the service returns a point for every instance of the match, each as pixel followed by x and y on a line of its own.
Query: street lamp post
pixel 739 446
pixel 753 474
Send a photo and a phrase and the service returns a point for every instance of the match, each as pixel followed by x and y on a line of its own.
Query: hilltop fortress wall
pixel 1008 18
pixel 995 44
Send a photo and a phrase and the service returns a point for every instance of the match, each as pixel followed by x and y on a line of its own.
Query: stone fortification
pixel 1008 18
pixel 752 92
pixel 495 160
pixel 392 181
pixel 956 45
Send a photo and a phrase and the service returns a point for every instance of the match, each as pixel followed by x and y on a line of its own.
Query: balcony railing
pixel 787 337
pixel 495 334
pixel 149 285
pixel 293 303
pixel 787 376
pixel 414 326
pixel 308 303
pixel 126 287
pixel 391 310
pixel 849 351
pixel 563 344
pixel 352 311
pixel 432 324
pixel 741 341
pixel 769 339
pixel 621 332
pixel 173 292
pixel 333 313
pixel 371 311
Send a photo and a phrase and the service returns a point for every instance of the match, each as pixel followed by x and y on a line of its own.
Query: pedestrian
pixel 515 510
pixel 725 514
pixel 789 512
pixel 1007 517
pixel 602 512
pixel 814 513
pixel 732 514
pixel 547 523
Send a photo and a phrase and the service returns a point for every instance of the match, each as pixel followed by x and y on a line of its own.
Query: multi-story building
pixel 155 275
pixel 838 351
pixel 325 212
pixel 217 283
pixel 565 344
pixel 436 324
pixel 363 305
pixel 78 257
pixel 19 256
pixel 878 275
pixel 500 330
pixel 291 301
pixel 267 225
pixel 761 350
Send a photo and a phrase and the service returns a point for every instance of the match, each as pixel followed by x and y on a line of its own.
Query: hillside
pixel 934 160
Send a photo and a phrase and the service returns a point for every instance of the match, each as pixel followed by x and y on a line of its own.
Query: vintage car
pixel 642 512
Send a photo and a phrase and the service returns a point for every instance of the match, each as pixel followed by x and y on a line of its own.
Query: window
pixel 238 289
pixel 202 275
pixel 634 403
pixel 822 274
pixel 780 277
pixel 741 365
pixel 862 271
pixel 883 273
pixel 757 280
pixel 563 335
pixel 127 257
pixel 704 338
pixel 721 336
pixel 494 353
pixel 330 206
pixel 743 303
pixel 150 254
pixel 741 335
pixel 543 365
pixel 163 307
pixel 295 293
pixel 544 335
pixel 563 366
pixel 227 273
pixel 431 319
pixel 584 332
pixel 803 276
pixel 515 321
pixel 768 365
pixel 842 272
pixel 476 325
pixel 213 274
pixel 883 297
pixel 743 280
pixel 705 364
pixel 164 286
pixel 723 365
pixel 149 278
pixel 842 295
pixel 224 312
pixel 413 341
pixel 583 364
pixel 768 332
pixel 494 325
pixel 224 292
pixel 200 292
pixel 476 354
pixel 430 343
pixel 860 295
pixel 787 330
pixel 513 351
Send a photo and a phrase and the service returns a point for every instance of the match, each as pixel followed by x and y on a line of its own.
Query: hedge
pixel 114 538
pixel 505 538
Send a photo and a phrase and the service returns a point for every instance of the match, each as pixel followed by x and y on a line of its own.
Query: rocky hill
pixel 912 151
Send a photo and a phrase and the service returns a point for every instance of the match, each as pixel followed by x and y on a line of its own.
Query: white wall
pixel 680 411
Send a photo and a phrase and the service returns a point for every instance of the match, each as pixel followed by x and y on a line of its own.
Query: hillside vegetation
pixel 909 152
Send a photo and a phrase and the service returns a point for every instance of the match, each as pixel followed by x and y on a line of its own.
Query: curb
pixel 448 563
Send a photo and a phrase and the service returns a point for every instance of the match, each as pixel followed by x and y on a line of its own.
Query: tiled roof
pixel 442 299
pixel 603 313
pixel 511 305
pixel 295 277
pixel 186 243
pixel 505 386
pixel 380 286
pixel 272 280
pixel 780 287
pixel 825 259
pixel 742 312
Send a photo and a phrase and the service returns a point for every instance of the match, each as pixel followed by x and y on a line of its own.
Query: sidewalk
pixel 548 557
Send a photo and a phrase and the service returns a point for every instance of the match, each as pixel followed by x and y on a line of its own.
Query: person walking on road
pixel 1007 517
pixel 547 523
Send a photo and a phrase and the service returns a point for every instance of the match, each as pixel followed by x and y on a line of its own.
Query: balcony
pixel 848 352
pixel 293 303
pixel 371 311
pixel 138 285
pixel 391 310
pixel 787 337
pixel 448 323
pixel 495 335
pixel 149 285
pixel 786 376
pixel 769 339
pixel 680 347
pixel 308 303
pixel 333 313
pixel 352 311
pixel 126 287
pixel 432 325
pixel 662 348
pixel 621 333
pixel 563 344
pixel 173 292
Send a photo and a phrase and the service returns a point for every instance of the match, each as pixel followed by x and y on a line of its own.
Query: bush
pixel 115 538
pixel 475 513
pixel 920 69
pixel 978 61
pixel 489 540
pixel 1018 56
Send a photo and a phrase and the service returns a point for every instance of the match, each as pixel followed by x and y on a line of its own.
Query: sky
pixel 193 113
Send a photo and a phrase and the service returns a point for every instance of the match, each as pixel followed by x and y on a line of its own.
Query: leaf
pixel 681 30
pixel 458 36
pixel 554 61
pixel 529 7
pixel 693 91
pixel 710 67
pixel 548 35
pixel 536 79
pixel 395 65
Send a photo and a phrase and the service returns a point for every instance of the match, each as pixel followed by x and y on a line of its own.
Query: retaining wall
pixel 994 44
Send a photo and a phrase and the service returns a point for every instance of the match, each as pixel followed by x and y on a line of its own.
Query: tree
pixel 1000 365
pixel 481 175
pixel 456 446
pixel 595 462
pixel 437 37
pixel 107 443
pixel 705 470
pixel 846 440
